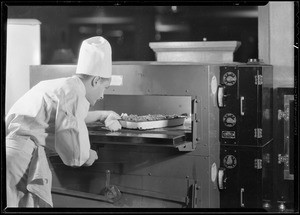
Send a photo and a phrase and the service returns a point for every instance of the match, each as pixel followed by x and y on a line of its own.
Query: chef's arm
pixel 109 118
pixel 94 116
pixel 71 139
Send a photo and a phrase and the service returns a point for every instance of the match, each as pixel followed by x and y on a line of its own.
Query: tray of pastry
pixel 150 121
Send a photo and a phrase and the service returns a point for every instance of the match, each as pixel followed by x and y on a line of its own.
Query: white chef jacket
pixel 54 109
pixel 49 116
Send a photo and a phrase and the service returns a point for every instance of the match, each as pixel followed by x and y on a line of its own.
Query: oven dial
pixel 229 120
pixel 229 78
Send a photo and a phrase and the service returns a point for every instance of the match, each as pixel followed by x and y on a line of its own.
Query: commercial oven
pixel 175 167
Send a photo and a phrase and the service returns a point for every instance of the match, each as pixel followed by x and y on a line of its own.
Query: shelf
pixel 163 137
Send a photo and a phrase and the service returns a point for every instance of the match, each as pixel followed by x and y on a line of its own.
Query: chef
pixel 52 116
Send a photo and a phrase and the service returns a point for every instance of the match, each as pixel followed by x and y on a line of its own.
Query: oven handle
pixel 242 105
pixel 221 178
pixel 221 95
pixel 242 197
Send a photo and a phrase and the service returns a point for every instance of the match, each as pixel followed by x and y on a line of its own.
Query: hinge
pixel 258 133
pixel 283 159
pixel 258 79
pixel 284 114
pixel 258 163
pixel 187 200
pixel 267 158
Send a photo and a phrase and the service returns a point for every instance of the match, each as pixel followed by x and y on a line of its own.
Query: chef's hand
pixel 114 126
pixel 92 158
pixel 112 121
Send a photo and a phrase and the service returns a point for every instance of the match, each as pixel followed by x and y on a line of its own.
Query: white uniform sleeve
pixel 71 135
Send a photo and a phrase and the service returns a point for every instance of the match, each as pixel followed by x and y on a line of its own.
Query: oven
pixel 200 164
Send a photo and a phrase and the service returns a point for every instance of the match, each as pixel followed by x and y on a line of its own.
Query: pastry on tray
pixel 150 121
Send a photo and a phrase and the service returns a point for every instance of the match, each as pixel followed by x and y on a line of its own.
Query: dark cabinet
pixel 247 180
pixel 285 123
pixel 246 136
pixel 245 116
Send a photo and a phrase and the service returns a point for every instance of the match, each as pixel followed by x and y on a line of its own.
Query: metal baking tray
pixel 145 125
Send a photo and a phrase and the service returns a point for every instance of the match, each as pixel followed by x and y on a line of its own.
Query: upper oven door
pixel 245 115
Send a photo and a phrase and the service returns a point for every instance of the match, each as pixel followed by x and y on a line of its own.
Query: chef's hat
pixel 95 57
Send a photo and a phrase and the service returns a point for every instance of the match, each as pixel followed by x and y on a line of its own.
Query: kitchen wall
pixel 54 25
pixel 276 36
pixel 151 23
